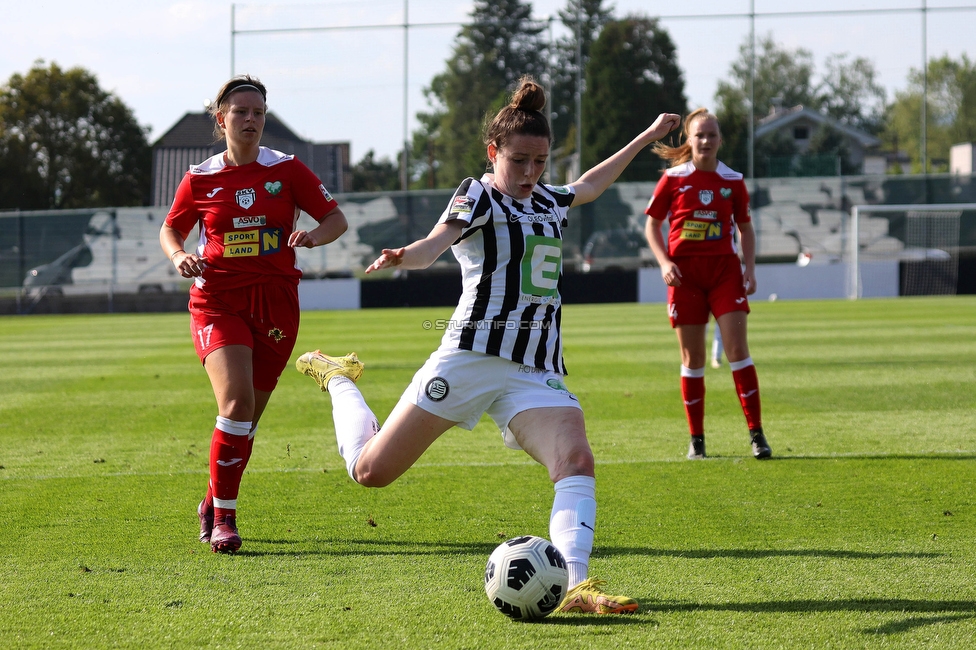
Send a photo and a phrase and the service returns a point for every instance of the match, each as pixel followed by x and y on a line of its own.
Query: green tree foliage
pixel 950 112
pixel 848 91
pixel 783 75
pixel 371 175
pixel 590 16
pixel 66 143
pixel 630 79
pixel 490 54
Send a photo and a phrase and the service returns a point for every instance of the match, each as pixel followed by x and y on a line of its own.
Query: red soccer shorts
pixel 709 283
pixel 264 317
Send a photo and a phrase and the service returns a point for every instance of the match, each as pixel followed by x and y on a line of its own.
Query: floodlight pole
pixel 579 88
pixel 405 159
pixel 751 165
pixel 925 97
pixel 233 32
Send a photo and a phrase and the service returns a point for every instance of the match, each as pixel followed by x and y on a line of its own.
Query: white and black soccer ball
pixel 526 578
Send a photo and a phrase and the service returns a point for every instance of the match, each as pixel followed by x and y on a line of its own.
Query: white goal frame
pixel 854 270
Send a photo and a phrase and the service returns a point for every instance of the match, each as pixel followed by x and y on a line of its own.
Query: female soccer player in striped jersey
pixel 501 352
pixel 704 201
pixel 244 300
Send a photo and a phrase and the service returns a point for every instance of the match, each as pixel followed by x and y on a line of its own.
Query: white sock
pixel 572 524
pixel 355 424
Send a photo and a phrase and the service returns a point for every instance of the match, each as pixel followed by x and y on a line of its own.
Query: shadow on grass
pixel 355 547
pixel 953 610
pixel 759 553
pixel 943 455
pixel 962 455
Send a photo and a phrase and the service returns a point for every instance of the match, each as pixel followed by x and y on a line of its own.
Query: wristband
pixel 175 252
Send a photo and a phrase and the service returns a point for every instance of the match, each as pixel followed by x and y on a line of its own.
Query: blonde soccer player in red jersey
pixel 243 306
pixel 704 201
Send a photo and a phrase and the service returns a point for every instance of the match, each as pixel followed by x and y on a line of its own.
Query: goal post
pixel 926 241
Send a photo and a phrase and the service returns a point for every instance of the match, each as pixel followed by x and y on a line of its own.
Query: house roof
pixel 197 130
pixel 788 116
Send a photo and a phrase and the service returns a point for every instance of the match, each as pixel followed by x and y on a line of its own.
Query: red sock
pixel 693 394
pixel 747 388
pixel 228 456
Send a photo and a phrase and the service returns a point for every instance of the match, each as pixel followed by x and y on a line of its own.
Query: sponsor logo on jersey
pixel 462 205
pixel 273 188
pixel 541 265
pixel 706 196
pixel 212 193
pixel 250 222
pixel 701 230
pixel 706 214
pixel 245 198
pixel 325 193
pixel 560 189
pixel 726 192
pixel 437 389
pixel 684 188
pixel 252 243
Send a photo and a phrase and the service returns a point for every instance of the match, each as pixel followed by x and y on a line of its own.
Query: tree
pixel 848 92
pixel 66 143
pixel 490 54
pixel 590 16
pixel 371 175
pixel 851 94
pixel 631 77
pixel 950 112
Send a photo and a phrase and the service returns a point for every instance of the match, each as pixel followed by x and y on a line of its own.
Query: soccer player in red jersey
pixel 243 305
pixel 703 201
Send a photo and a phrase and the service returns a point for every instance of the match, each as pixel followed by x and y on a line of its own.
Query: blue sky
pixel 165 57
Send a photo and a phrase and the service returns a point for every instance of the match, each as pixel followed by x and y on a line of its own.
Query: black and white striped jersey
pixel 511 256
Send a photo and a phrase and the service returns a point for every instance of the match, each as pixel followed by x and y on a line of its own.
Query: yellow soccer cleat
pixel 588 597
pixel 322 368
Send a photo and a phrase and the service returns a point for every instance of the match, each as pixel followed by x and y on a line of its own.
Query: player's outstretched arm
pixel 421 253
pixel 593 183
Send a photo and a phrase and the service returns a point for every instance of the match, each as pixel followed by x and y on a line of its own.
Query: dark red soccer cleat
pixel 224 538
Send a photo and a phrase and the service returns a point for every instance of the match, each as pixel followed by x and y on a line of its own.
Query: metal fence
pixel 116 250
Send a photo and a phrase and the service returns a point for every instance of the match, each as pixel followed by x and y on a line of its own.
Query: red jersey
pixel 246 214
pixel 703 208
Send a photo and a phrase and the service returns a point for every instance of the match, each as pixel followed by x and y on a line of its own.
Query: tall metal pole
pixel 405 159
pixel 751 166
pixel 579 88
pixel 925 92
pixel 232 36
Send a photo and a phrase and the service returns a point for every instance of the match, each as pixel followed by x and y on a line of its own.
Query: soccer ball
pixel 526 578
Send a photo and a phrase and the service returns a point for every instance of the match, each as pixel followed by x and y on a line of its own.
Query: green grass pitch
pixel 861 532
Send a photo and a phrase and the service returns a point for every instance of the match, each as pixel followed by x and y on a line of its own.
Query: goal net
pixel 922 239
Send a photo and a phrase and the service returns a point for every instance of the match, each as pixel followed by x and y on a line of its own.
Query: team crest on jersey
pixel 276 334
pixel 273 188
pixel 325 193
pixel 726 192
pixel 245 198
pixel 706 196
pixel 437 389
